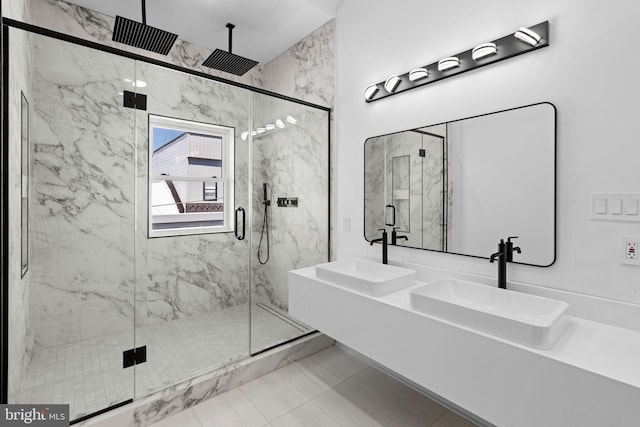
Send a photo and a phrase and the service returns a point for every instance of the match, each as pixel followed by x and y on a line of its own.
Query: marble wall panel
pixel 294 162
pixel 374 184
pixel 419 210
pixel 186 275
pixel 432 193
pixel 306 70
pixel 83 209
pixel 21 328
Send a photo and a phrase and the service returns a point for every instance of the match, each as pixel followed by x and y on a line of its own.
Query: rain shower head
pixel 143 36
pixel 229 62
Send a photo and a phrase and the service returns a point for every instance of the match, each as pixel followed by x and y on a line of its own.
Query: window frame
pixel 227 135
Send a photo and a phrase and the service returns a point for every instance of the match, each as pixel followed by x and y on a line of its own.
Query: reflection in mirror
pixel 460 186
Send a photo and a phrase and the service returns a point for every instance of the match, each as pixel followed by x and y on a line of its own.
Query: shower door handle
pixel 237 229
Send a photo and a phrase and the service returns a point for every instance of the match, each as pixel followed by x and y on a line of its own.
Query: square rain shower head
pixel 143 36
pixel 229 62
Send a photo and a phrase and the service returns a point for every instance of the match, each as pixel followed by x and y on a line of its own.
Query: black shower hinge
pixel 135 356
pixel 135 100
pixel 422 152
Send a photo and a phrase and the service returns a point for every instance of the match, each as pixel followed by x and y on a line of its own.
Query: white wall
pixel 501 183
pixel 598 147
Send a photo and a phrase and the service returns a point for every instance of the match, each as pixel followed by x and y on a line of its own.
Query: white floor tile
pixel 310 377
pixel 273 395
pixel 307 415
pixel 396 397
pixel 230 409
pixel 185 418
pixel 347 410
pixel 338 362
pixel 373 397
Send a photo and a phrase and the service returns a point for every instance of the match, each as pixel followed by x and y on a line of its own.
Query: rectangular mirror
pixel 461 186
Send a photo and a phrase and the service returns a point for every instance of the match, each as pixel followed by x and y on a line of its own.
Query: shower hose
pixel 263 233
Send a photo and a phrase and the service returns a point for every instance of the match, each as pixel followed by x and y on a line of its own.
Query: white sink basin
pixel 370 278
pixel 527 319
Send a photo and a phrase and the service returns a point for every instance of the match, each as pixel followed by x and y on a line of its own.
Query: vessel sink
pixel 527 319
pixel 368 277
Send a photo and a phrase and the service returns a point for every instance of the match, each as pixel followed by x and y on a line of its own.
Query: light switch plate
pixel 615 206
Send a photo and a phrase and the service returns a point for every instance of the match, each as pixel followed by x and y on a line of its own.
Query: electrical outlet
pixel 629 246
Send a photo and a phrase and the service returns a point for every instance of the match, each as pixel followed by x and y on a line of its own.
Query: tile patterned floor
pixel 328 389
pixel 89 376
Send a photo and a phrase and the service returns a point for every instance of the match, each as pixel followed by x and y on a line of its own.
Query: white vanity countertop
pixel 597 347
pixel 590 377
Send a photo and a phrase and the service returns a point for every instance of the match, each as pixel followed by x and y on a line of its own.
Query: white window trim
pixel 228 140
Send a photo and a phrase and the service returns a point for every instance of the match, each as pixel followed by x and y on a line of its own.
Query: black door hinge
pixel 422 152
pixel 135 356
pixel 135 100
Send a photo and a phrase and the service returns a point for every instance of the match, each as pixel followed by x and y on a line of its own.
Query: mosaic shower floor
pixel 89 376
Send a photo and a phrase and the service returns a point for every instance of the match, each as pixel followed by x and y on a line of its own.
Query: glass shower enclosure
pixel 164 211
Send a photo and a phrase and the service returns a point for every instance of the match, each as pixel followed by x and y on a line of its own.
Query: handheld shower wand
pixel 265 225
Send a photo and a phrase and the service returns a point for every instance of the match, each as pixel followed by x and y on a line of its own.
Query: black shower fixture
pixel 143 36
pixel 229 62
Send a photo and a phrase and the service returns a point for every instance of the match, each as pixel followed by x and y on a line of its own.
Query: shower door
pixel 74 307
pixel 192 281
pixel 290 208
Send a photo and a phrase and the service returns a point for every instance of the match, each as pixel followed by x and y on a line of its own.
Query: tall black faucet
pixel 504 255
pixel 395 237
pixel 382 239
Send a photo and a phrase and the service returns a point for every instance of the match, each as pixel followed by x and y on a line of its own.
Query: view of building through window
pixel 189 167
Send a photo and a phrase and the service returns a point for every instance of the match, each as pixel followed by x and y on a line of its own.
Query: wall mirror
pixel 461 186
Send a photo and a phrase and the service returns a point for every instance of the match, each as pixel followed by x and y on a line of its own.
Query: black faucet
pixel 504 255
pixel 395 237
pixel 382 239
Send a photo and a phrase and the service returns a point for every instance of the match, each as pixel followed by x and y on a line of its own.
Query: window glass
pixel 190 167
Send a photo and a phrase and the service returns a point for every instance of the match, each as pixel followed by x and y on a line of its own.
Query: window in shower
pixel 190 177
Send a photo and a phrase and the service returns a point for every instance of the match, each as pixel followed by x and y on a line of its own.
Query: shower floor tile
pixel 89 376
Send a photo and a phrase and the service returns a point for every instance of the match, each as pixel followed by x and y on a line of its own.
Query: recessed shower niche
pixel 99 283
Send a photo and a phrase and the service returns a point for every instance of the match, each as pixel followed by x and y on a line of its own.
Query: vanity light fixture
pixel 261 130
pixel 483 50
pixel 280 124
pixel 526 39
pixel 528 36
pixel 270 126
pixel 392 83
pixel 448 63
pixel 244 135
pixel 254 133
pixel 370 91
pixel 418 74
